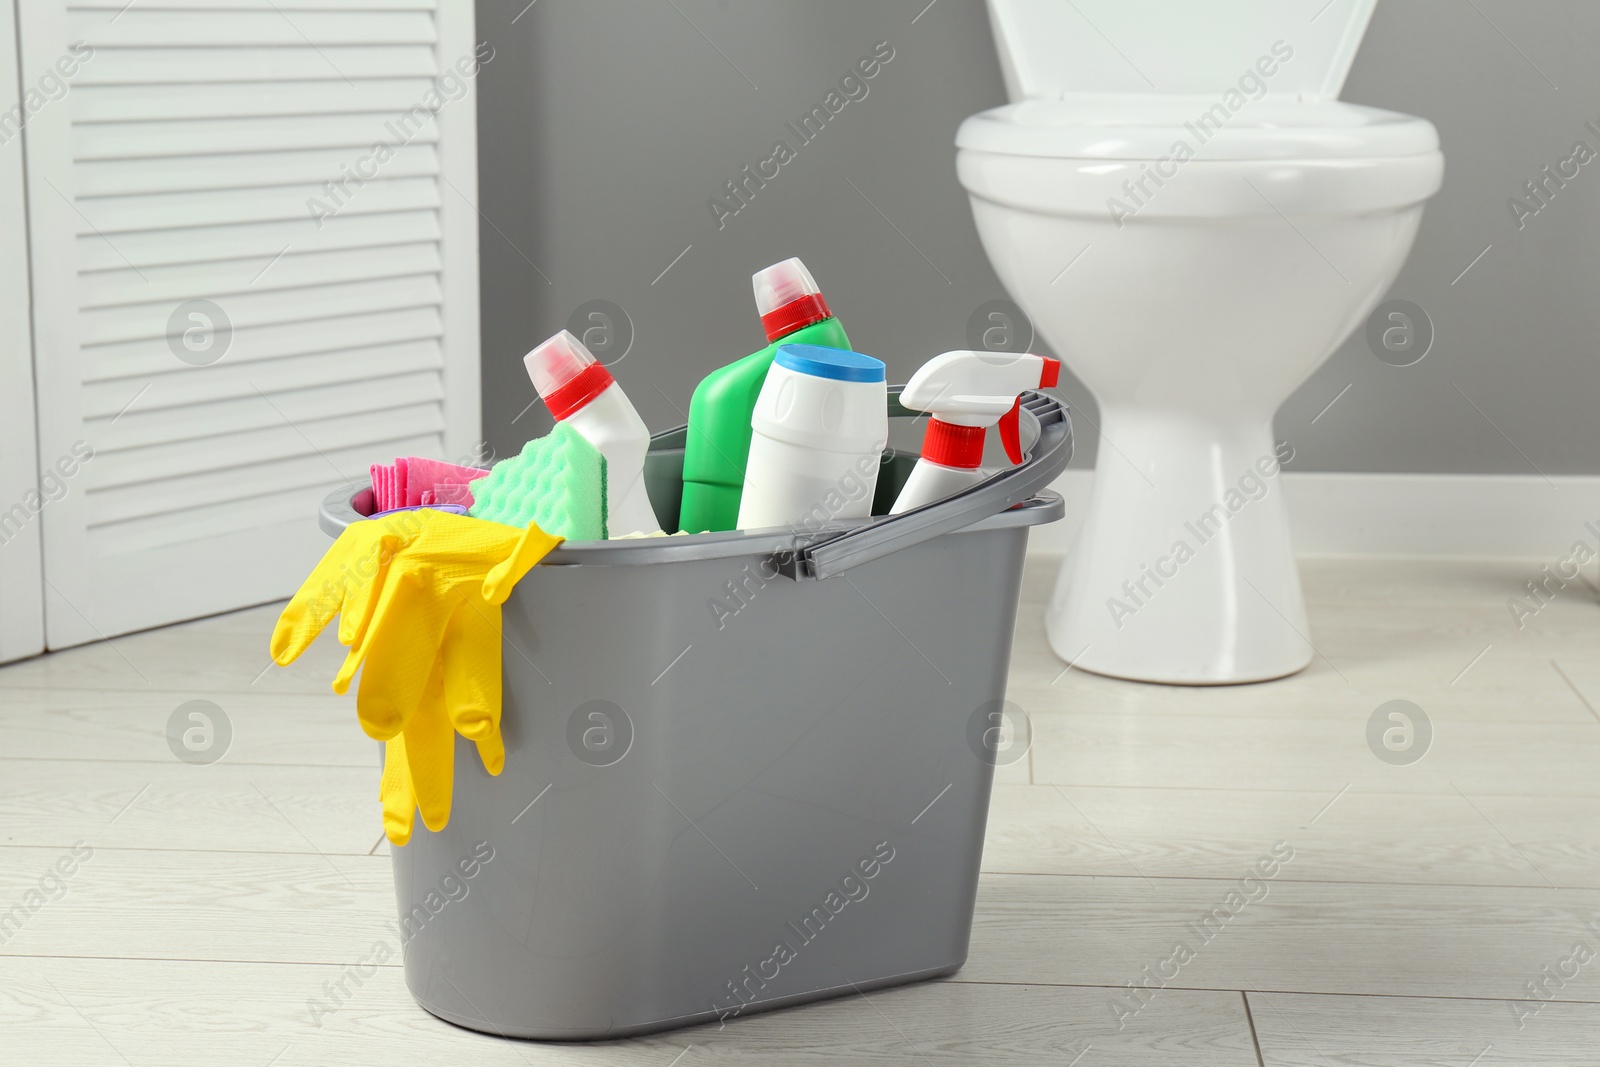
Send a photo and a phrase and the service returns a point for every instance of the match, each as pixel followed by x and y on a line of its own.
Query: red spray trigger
pixel 1011 432
pixel 1011 421
pixel 1050 375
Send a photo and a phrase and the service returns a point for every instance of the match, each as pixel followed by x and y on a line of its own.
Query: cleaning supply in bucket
pixel 558 482
pixel 582 393
pixel 448 495
pixel 818 432
pixel 718 445
pixel 967 392
pixel 384 496
pixel 409 479
pixel 419 476
pixel 418 596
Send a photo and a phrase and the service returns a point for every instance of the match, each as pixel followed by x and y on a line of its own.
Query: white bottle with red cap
pixel 967 392
pixel 581 392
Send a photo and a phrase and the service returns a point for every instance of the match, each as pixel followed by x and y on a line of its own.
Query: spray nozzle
pixel 977 389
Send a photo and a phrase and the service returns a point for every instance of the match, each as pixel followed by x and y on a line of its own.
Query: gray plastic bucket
pixel 743 770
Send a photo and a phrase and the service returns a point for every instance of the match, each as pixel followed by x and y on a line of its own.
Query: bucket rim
pixel 1014 497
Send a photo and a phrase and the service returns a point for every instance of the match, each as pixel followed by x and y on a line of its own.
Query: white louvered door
pixel 189 161
pixel 21 604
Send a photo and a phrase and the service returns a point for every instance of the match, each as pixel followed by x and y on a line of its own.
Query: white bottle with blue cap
pixel 819 429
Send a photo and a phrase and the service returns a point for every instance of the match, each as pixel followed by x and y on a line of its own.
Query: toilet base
pixel 1183 571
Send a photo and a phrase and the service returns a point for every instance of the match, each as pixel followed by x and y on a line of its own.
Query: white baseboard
pixel 1482 516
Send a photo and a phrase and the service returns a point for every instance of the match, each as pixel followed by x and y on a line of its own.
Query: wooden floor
pixel 1421 904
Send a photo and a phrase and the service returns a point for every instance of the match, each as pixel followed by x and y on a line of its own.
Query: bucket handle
pixel 834 554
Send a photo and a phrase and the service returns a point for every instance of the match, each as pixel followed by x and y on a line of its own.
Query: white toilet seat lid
pixel 1052 47
pixel 1151 126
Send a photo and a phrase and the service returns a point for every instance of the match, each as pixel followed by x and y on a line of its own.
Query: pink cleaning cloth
pixel 382 487
pixel 448 493
pixel 402 477
pixel 418 475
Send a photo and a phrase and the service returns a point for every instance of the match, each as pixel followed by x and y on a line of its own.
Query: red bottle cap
pixel 566 374
pixel 950 445
pixel 787 298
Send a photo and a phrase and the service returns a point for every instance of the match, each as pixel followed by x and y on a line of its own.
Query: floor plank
pixel 1319 1031
pixel 221 654
pixel 1492 687
pixel 1583 675
pixel 1316 755
pixel 1379 581
pixel 1402 838
pixel 257 906
pixel 132 725
pixel 69 1012
pixel 1312 937
pixel 173 805
pixel 1473 941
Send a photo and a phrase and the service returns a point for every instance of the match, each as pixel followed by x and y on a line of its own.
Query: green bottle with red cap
pixel 718 446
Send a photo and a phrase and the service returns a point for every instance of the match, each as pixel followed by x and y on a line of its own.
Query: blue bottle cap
pixel 840 364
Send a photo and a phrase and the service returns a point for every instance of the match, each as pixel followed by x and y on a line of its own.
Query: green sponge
pixel 558 481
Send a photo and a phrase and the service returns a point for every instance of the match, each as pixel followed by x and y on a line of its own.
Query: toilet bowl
pixel 1193 222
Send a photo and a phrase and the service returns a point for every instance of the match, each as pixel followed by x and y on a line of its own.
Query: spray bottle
pixel 718 445
pixel 967 392
pixel 582 393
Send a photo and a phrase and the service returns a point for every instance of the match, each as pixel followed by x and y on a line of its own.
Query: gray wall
pixel 605 126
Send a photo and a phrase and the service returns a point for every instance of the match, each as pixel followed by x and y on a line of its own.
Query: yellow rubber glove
pixel 418 595
pixel 419 766
pixel 397 584
pixel 419 762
